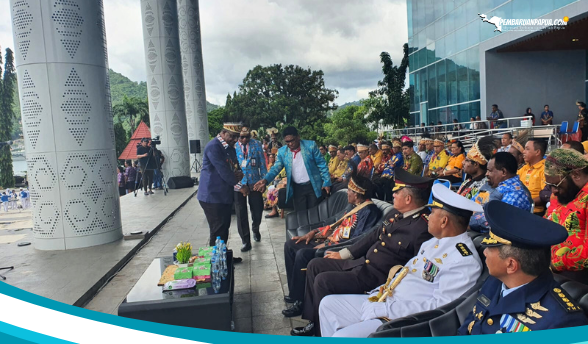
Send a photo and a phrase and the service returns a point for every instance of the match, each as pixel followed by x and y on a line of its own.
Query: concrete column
pixel 193 71
pixel 167 112
pixel 62 69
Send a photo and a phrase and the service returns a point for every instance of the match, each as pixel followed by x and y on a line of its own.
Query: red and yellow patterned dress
pixel 572 254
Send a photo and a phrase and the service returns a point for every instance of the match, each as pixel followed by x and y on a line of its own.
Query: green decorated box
pixel 201 273
pixel 183 273
pixel 205 251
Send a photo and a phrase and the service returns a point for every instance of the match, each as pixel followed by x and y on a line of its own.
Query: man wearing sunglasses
pixel 566 172
pixel 306 170
pixel 252 162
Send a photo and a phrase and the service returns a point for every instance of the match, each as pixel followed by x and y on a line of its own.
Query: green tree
pixel 6 119
pixel 349 125
pixel 131 112
pixel 216 118
pixel 389 104
pixel 121 138
pixel 288 94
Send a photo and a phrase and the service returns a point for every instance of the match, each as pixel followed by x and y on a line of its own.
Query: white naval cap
pixel 445 199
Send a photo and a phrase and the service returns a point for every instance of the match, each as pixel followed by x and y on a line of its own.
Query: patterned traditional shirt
pixel 572 254
pixel 397 160
pixel 333 164
pixel 428 158
pixel 510 191
pixel 380 168
pixel 377 158
pixel 470 187
pixel 365 167
pixel 438 162
pixel 413 164
pixel 456 162
pixel 252 163
pixel 351 163
pixel 534 179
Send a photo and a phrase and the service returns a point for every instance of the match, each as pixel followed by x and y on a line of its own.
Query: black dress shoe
pixel 294 310
pixel 268 216
pixel 288 299
pixel 257 237
pixel 307 330
pixel 246 247
pixel 237 260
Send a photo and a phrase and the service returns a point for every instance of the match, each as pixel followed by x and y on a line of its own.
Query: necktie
pixel 295 151
pixel 245 151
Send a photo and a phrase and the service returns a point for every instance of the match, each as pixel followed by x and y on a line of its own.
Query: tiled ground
pixel 66 276
pixel 260 280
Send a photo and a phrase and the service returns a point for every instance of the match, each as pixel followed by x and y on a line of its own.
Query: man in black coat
pixel 365 264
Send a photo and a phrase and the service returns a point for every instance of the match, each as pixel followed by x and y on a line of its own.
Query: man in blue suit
pixel 252 162
pixel 219 178
pixel 307 172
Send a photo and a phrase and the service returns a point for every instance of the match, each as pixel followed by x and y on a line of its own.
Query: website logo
pixel 501 24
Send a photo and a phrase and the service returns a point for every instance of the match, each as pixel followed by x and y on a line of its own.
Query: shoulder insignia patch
pixel 565 300
pixel 425 217
pixel 463 249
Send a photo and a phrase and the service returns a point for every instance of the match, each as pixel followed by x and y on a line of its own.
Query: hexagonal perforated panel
pixel 64 88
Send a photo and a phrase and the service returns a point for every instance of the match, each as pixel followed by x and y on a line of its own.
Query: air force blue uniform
pixel 539 305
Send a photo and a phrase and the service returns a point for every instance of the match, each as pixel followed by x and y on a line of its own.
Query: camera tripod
pixel 196 165
pixel 139 181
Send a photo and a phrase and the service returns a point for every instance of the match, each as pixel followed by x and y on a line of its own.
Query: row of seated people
pixel 417 260
pixel 513 171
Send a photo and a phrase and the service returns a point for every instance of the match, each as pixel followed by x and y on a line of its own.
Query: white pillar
pixel 62 69
pixel 193 71
pixel 165 84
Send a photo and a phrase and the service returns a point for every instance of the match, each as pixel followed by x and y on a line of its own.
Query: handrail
pixel 463 126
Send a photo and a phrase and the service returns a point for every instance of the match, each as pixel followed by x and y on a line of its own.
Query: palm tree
pixel 132 110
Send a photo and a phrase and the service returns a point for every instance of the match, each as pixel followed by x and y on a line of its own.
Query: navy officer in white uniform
pixel 446 267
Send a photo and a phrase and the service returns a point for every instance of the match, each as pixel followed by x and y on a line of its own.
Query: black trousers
pixel 147 179
pixel 383 188
pixel 218 216
pixel 326 276
pixel 304 196
pixel 256 207
pixel 297 257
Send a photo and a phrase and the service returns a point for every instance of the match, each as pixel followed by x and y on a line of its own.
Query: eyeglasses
pixel 243 137
pixel 558 184
pixel 289 141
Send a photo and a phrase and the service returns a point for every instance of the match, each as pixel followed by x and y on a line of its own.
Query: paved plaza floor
pixel 69 276
pixel 72 276
pixel 260 280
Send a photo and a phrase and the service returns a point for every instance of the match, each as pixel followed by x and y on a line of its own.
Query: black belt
pixel 303 184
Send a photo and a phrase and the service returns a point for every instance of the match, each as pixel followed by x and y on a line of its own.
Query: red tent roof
pixel 130 152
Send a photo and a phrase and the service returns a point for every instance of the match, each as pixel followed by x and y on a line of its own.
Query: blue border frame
pixel 560 336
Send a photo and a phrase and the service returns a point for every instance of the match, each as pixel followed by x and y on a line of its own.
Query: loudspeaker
pixel 195 147
pixel 180 182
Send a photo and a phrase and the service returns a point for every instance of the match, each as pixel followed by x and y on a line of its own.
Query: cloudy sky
pixel 342 37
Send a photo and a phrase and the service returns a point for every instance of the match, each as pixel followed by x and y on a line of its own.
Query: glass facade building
pixel 444 61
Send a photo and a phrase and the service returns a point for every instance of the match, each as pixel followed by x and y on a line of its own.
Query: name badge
pixel 244 163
